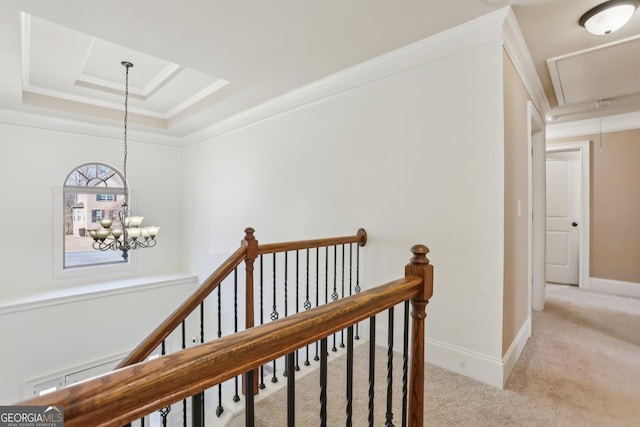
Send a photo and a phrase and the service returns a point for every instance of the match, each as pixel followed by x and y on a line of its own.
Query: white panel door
pixel 563 211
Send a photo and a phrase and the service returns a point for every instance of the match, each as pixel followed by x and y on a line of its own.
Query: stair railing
pixel 253 254
pixel 248 252
pixel 131 392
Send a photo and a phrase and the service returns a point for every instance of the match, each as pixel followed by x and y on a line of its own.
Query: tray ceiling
pixel 72 67
pixel 61 60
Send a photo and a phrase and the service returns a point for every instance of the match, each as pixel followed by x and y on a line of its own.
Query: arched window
pixel 91 192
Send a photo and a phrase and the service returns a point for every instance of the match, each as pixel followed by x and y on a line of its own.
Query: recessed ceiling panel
pixel 75 67
pixel 103 66
pixel 605 72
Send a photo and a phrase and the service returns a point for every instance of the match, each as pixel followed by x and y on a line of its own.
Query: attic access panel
pixel 604 72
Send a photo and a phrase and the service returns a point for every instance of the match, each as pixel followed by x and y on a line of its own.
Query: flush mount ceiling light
pixel 608 16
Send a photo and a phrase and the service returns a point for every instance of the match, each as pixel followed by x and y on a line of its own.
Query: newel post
pixel 251 245
pixel 420 267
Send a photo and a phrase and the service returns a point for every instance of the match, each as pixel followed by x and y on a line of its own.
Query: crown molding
pixel 594 126
pixel 517 49
pixel 482 31
pixel 38 121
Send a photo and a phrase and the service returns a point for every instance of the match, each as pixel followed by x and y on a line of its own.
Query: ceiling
pixel 199 62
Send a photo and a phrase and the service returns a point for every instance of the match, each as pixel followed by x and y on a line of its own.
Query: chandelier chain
pixel 131 234
pixel 126 119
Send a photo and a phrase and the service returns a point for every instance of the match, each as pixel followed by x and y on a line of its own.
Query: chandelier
pixel 131 234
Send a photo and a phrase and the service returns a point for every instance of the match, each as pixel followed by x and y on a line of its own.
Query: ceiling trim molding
pixel 37 121
pixel 161 78
pixel 518 51
pixel 90 101
pixel 25 38
pixel 554 73
pixel 193 99
pixel 594 126
pixel 483 31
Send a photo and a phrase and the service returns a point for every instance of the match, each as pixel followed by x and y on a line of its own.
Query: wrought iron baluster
pixel 197 401
pixel 350 268
pixel 286 284
pixel 323 382
pixel 405 364
pixel 349 375
pixel 197 410
pixel 184 401
pixel 357 288
pixel 261 385
pixel 183 333
pixel 334 295
pixel 202 322
pixel 326 274
pixel 249 400
pixel 219 408
pixel 164 411
pixel 184 412
pixel 297 281
pixel 317 357
pixel 235 299
pixel 342 332
pixel 286 300
pixel 291 390
pixel 372 367
pixel 307 304
pixel 297 364
pixel 351 281
pixel 236 380
pixel 389 414
pixel 274 314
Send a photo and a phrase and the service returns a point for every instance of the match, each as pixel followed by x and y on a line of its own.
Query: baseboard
pixel 515 350
pixel 615 287
pixel 474 365
pixel 478 366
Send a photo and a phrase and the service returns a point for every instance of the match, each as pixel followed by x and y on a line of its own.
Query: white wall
pixel 38 341
pixel 34 161
pixel 63 332
pixel 413 157
pixel 413 153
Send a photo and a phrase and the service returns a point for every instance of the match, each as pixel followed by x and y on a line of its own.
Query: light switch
pixel 519 208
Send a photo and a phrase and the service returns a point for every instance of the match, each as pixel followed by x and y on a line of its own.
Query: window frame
pixel 59 193
pixel 108 197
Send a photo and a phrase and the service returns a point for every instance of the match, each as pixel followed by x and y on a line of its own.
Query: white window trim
pixel 59 272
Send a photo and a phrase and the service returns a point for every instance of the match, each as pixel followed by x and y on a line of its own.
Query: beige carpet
pixel 581 367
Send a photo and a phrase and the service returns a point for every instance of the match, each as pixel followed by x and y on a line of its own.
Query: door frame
pixel 584 149
pixel 536 145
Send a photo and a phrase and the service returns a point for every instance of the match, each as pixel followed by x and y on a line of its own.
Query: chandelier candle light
pixel 131 235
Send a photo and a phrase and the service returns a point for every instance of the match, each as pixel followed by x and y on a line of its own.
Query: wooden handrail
pixel 146 347
pixel 248 251
pixel 132 392
pixel 360 238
